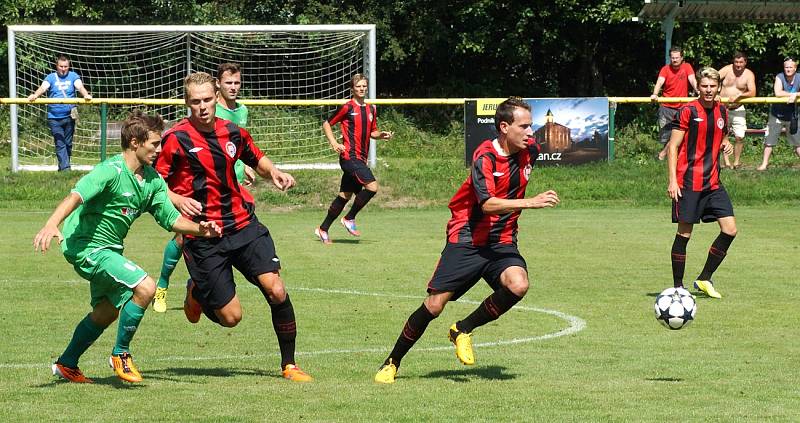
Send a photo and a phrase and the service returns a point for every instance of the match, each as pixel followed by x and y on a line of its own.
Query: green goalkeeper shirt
pixel 239 117
pixel 112 198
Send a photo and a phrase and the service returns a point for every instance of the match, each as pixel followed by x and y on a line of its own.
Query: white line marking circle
pixel 576 324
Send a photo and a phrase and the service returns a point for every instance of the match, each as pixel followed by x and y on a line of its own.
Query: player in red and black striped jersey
pixel 197 161
pixel 359 123
pixel 699 134
pixel 481 237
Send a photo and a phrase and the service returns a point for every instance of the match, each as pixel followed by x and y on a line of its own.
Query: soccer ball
pixel 675 308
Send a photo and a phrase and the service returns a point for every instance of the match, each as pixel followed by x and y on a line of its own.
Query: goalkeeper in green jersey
pixel 229 83
pixel 97 215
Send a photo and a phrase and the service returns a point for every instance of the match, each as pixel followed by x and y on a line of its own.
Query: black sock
pixel 337 205
pixel 490 309
pixel 285 328
pixel 414 328
pixel 717 253
pixel 362 198
pixel 678 259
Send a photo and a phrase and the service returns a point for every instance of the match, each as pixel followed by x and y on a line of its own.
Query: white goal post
pixel 279 62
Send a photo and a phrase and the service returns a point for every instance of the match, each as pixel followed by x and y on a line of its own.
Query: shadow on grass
pixel 174 373
pixel 664 379
pixel 465 375
pixel 110 381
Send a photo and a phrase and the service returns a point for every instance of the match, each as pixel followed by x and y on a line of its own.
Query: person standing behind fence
pixel 738 82
pixel 675 78
pixel 780 115
pixel 61 117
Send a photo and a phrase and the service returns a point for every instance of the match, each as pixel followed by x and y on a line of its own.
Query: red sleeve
pixel 663 72
pixel 682 120
pixel 170 150
pixel 340 114
pixel 250 153
pixel 483 178
pixel 374 126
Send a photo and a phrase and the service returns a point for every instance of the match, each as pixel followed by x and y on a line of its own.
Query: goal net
pixel 312 62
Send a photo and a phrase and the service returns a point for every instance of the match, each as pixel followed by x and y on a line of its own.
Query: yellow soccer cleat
pixel 463 343
pixel 293 373
pixel 708 288
pixel 387 373
pixel 124 368
pixel 160 300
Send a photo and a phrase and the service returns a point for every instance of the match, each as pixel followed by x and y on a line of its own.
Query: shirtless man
pixel 738 82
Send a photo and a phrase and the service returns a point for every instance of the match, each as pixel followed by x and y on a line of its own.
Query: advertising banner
pixel 570 130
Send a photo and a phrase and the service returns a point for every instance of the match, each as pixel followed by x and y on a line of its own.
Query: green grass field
pixel 582 346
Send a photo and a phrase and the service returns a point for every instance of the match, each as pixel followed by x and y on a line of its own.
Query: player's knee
pixel 144 292
pixel 346 195
pixel 274 287
pixel 732 231
pixel 229 320
pixel 372 186
pixel 519 286
pixel 434 306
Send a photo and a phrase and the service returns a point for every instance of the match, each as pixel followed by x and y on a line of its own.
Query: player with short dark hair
pixel 99 212
pixel 197 161
pixel 699 135
pixel 359 123
pixel 481 237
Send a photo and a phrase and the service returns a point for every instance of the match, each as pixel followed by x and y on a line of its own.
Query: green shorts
pixel 110 276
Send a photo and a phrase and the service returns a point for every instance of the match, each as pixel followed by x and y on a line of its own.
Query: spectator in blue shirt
pixel 61 117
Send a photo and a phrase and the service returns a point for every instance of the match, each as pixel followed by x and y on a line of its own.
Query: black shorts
pixel 462 265
pixel 708 206
pixel 210 262
pixel 356 175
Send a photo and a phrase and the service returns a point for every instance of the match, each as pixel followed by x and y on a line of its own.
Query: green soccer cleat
pixel 463 343
pixel 708 288
pixel 387 373
pixel 160 300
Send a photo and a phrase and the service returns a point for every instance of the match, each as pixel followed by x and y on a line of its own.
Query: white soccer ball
pixel 675 308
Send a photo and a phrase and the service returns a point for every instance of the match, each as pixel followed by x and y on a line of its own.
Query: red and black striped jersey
pixel 201 165
pixel 698 154
pixel 357 123
pixel 492 175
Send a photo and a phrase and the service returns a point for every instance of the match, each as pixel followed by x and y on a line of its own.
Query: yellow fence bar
pixel 178 101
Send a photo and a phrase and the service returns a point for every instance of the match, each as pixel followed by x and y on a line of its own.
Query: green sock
pixel 172 254
pixel 130 316
pixel 85 334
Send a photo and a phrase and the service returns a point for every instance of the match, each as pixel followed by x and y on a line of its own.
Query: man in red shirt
pixel 197 161
pixel 699 134
pixel 481 237
pixel 675 78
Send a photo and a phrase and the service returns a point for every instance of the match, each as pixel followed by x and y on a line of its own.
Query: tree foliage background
pixel 467 48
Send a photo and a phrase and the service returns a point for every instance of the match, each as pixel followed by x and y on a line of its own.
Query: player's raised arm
pixel 50 229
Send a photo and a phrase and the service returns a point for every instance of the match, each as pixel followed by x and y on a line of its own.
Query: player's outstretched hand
pixel 210 229
pixel 249 176
pixel 189 206
pixel 546 199
pixel 282 180
pixel 385 135
pixel 45 236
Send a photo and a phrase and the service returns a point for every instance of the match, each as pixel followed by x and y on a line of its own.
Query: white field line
pixel 576 324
